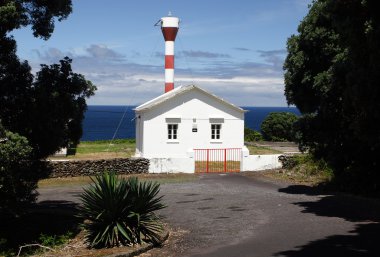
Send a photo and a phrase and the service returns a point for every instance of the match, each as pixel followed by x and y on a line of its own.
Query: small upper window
pixel 215 131
pixel 172 131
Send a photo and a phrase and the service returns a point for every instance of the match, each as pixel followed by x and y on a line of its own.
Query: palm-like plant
pixel 120 212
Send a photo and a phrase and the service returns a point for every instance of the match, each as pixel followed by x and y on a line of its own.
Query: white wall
pixel 186 165
pixel 61 152
pixel 139 136
pixel 151 126
pixel 260 162
pixel 171 165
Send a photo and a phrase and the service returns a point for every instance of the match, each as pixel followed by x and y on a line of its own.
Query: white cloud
pixel 123 82
pixel 103 52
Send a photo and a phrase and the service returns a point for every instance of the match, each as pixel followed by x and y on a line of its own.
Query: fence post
pixel 225 160
pixel 207 160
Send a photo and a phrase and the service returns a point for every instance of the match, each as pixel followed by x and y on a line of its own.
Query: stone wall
pixel 93 167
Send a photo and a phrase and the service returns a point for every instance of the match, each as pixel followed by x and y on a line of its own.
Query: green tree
pixel 40 113
pixel 278 126
pixel 332 76
pixel 57 108
pixel 17 179
pixel 39 14
pixel 47 108
pixel 251 135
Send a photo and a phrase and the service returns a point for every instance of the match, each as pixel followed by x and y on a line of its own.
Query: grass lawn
pixel 124 148
pixel 102 149
pixel 261 150
pixel 116 145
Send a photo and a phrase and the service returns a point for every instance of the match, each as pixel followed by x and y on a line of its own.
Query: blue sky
pixel 234 49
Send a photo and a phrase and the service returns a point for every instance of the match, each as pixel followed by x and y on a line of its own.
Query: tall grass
pixel 305 168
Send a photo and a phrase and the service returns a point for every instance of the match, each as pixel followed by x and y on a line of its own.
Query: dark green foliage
pixel 39 14
pixel 291 161
pixel 17 178
pixel 251 135
pixel 278 126
pixel 44 227
pixel 120 212
pixel 306 168
pixel 288 162
pixel 47 108
pixel 15 84
pixel 55 240
pixel 332 76
pixel 59 105
pixel 40 113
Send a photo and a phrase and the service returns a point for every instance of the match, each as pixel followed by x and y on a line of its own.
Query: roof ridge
pixel 179 90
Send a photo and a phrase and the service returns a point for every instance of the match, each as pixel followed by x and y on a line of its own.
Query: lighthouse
pixel 169 27
pixel 188 125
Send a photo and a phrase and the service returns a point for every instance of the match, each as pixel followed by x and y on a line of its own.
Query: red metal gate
pixel 217 160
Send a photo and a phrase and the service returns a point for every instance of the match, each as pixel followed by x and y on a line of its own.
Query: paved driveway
pixel 232 215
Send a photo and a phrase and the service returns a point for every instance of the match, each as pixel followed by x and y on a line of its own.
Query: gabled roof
pixel 178 91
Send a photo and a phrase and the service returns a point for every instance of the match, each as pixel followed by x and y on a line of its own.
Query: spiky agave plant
pixel 120 212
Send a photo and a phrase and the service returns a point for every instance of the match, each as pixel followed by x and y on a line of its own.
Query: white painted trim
pixel 170 22
pixel 215 120
pixel 169 75
pixel 172 119
pixel 169 47
pixel 181 90
pixel 175 141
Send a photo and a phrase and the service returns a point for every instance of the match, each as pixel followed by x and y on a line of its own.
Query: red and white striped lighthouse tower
pixel 169 27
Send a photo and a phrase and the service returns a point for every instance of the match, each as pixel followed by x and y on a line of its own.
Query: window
pixel 172 131
pixel 195 128
pixel 215 131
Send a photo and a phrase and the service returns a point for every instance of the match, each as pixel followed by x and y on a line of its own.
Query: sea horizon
pixel 105 122
pixel 235 104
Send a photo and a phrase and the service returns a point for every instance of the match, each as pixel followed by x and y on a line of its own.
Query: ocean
pixel 103 122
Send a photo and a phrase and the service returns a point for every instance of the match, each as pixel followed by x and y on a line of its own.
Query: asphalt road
pixel 235 216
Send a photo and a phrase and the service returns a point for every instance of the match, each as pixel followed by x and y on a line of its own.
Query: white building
pixel 187 118
pixel 188 129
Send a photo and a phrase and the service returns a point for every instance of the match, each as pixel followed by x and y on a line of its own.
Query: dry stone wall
pixel 93 167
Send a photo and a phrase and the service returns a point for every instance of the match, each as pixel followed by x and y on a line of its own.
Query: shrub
pixel 251 135
pixel 278 126
pixel 306 164
pixel 17 179
pixel 288 162
pixel 120 212
pixel 55 240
